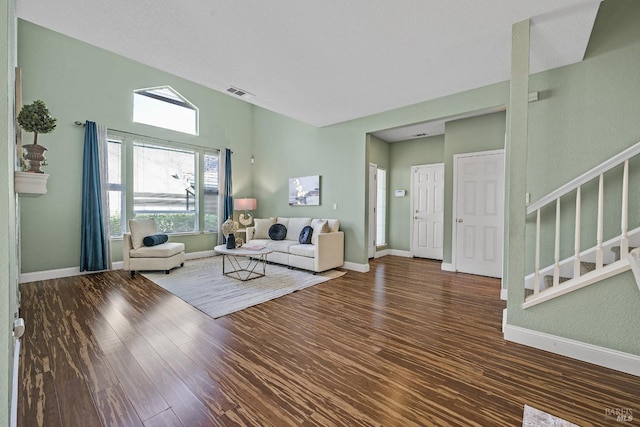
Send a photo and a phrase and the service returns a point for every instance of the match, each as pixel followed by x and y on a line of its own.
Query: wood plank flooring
pixel 405 344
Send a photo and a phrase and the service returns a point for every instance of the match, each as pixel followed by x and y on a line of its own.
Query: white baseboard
pixel 447 267
pixel 75 271
pixel 601 356
pixel 354 266
pixel 380 254
pixel 503 294
pixel 397 252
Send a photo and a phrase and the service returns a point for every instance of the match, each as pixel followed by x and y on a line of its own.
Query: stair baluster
pixel 600 232
pixel 536 280
pixel 576 244
pixel 624 238
pixel 556 266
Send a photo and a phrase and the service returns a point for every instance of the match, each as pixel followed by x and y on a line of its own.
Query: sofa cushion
pixel 334 225
pixel 262 227
pixel 155 239
pixel 141 228
pixel 282 220
pixel 303 250
pixel 281 245
pixel 305 235
pixel 164 250
pixel 319 226
pixel 295 227
pixel 277 232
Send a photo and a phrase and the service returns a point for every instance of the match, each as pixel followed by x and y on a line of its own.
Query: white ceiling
pixel 325 62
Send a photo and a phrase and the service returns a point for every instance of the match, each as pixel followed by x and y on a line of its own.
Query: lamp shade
pixel 245 204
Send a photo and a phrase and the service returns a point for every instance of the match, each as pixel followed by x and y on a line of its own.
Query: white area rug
pixel 201 283
pixel 533 417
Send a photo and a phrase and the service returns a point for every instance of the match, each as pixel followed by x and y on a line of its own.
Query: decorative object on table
pixel 229 227
pixel 245 205
pixel 277 232
pixel 37 119
pixel 239 242
pixel 304 191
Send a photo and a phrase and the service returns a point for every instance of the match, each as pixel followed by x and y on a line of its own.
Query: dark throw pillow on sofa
pixel 155 239
pixel 277 232
pixel 305 235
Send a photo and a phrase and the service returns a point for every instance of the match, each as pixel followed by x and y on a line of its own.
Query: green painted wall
pixel 587 113
pixel 81 82
pixel 8 248
pixel 476 134
pixel 403 155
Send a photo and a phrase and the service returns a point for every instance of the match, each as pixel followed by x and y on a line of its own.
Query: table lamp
pixel 245 205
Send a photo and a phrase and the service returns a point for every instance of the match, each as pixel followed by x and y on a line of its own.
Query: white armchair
pixel 136 256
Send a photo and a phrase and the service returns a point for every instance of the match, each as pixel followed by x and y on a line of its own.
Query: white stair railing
pixel 541 293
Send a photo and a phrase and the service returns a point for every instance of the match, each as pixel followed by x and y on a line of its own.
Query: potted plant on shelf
pixel 37 119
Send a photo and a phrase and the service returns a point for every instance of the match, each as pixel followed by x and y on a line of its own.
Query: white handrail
pixel 585 177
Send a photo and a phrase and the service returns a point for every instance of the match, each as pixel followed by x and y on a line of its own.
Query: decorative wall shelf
pixel 30 183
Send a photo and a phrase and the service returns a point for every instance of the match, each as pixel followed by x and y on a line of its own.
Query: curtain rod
pixel 79 123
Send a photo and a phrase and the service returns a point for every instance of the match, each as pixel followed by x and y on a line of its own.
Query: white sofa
pixel 324 253
pixel 138 257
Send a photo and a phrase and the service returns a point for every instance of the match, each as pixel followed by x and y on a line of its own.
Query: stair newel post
pixel 624 222
pixel 556 266
pixel 600 233
pixel 576 244
pixel 536 279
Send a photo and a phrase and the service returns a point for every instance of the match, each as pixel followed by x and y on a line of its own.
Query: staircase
pixel 604 259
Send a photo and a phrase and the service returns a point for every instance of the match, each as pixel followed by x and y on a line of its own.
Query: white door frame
pixel 411 207
pixel 373 220
pixel 454 234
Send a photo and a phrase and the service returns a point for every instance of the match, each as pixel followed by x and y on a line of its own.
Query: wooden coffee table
pixel 244 262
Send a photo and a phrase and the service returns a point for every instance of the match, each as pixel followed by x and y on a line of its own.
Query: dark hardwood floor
pixel 405 344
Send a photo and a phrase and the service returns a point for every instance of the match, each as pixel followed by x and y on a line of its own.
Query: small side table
pixel 243 263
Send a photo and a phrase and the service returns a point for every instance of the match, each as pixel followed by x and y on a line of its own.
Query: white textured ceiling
pixel 324 62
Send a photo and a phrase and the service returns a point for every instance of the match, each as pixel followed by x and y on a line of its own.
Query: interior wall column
pixel 516 165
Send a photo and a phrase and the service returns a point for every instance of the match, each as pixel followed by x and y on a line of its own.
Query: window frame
pixel 182 102
pixel 127 141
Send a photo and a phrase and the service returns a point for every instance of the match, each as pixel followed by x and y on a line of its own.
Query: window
pixel 164 107
pixel 381 208
pixel 166 184
pixel 164 187
pixel 117 218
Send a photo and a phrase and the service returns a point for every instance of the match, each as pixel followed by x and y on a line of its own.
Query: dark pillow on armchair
pixel 155 239
pixel 277 232
pixel 305 235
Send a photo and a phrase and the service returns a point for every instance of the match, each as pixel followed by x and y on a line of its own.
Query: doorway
pixel 427 211
pixel 478 228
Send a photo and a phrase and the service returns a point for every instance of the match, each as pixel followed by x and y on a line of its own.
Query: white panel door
pixel 428 211
pixel 480 214
pixel 373 196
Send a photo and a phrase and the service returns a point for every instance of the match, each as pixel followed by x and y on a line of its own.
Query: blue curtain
pixel 228 192
pixel 94 238
pixel 227 206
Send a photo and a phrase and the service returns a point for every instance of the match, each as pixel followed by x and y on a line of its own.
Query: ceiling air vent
pixel 241 93
pixel 420 135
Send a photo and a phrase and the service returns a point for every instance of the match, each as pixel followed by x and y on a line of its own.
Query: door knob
pixel 460 220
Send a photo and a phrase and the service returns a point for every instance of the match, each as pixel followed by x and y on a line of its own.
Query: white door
pixel 428 211
pixel 479 221
pixel 373 191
